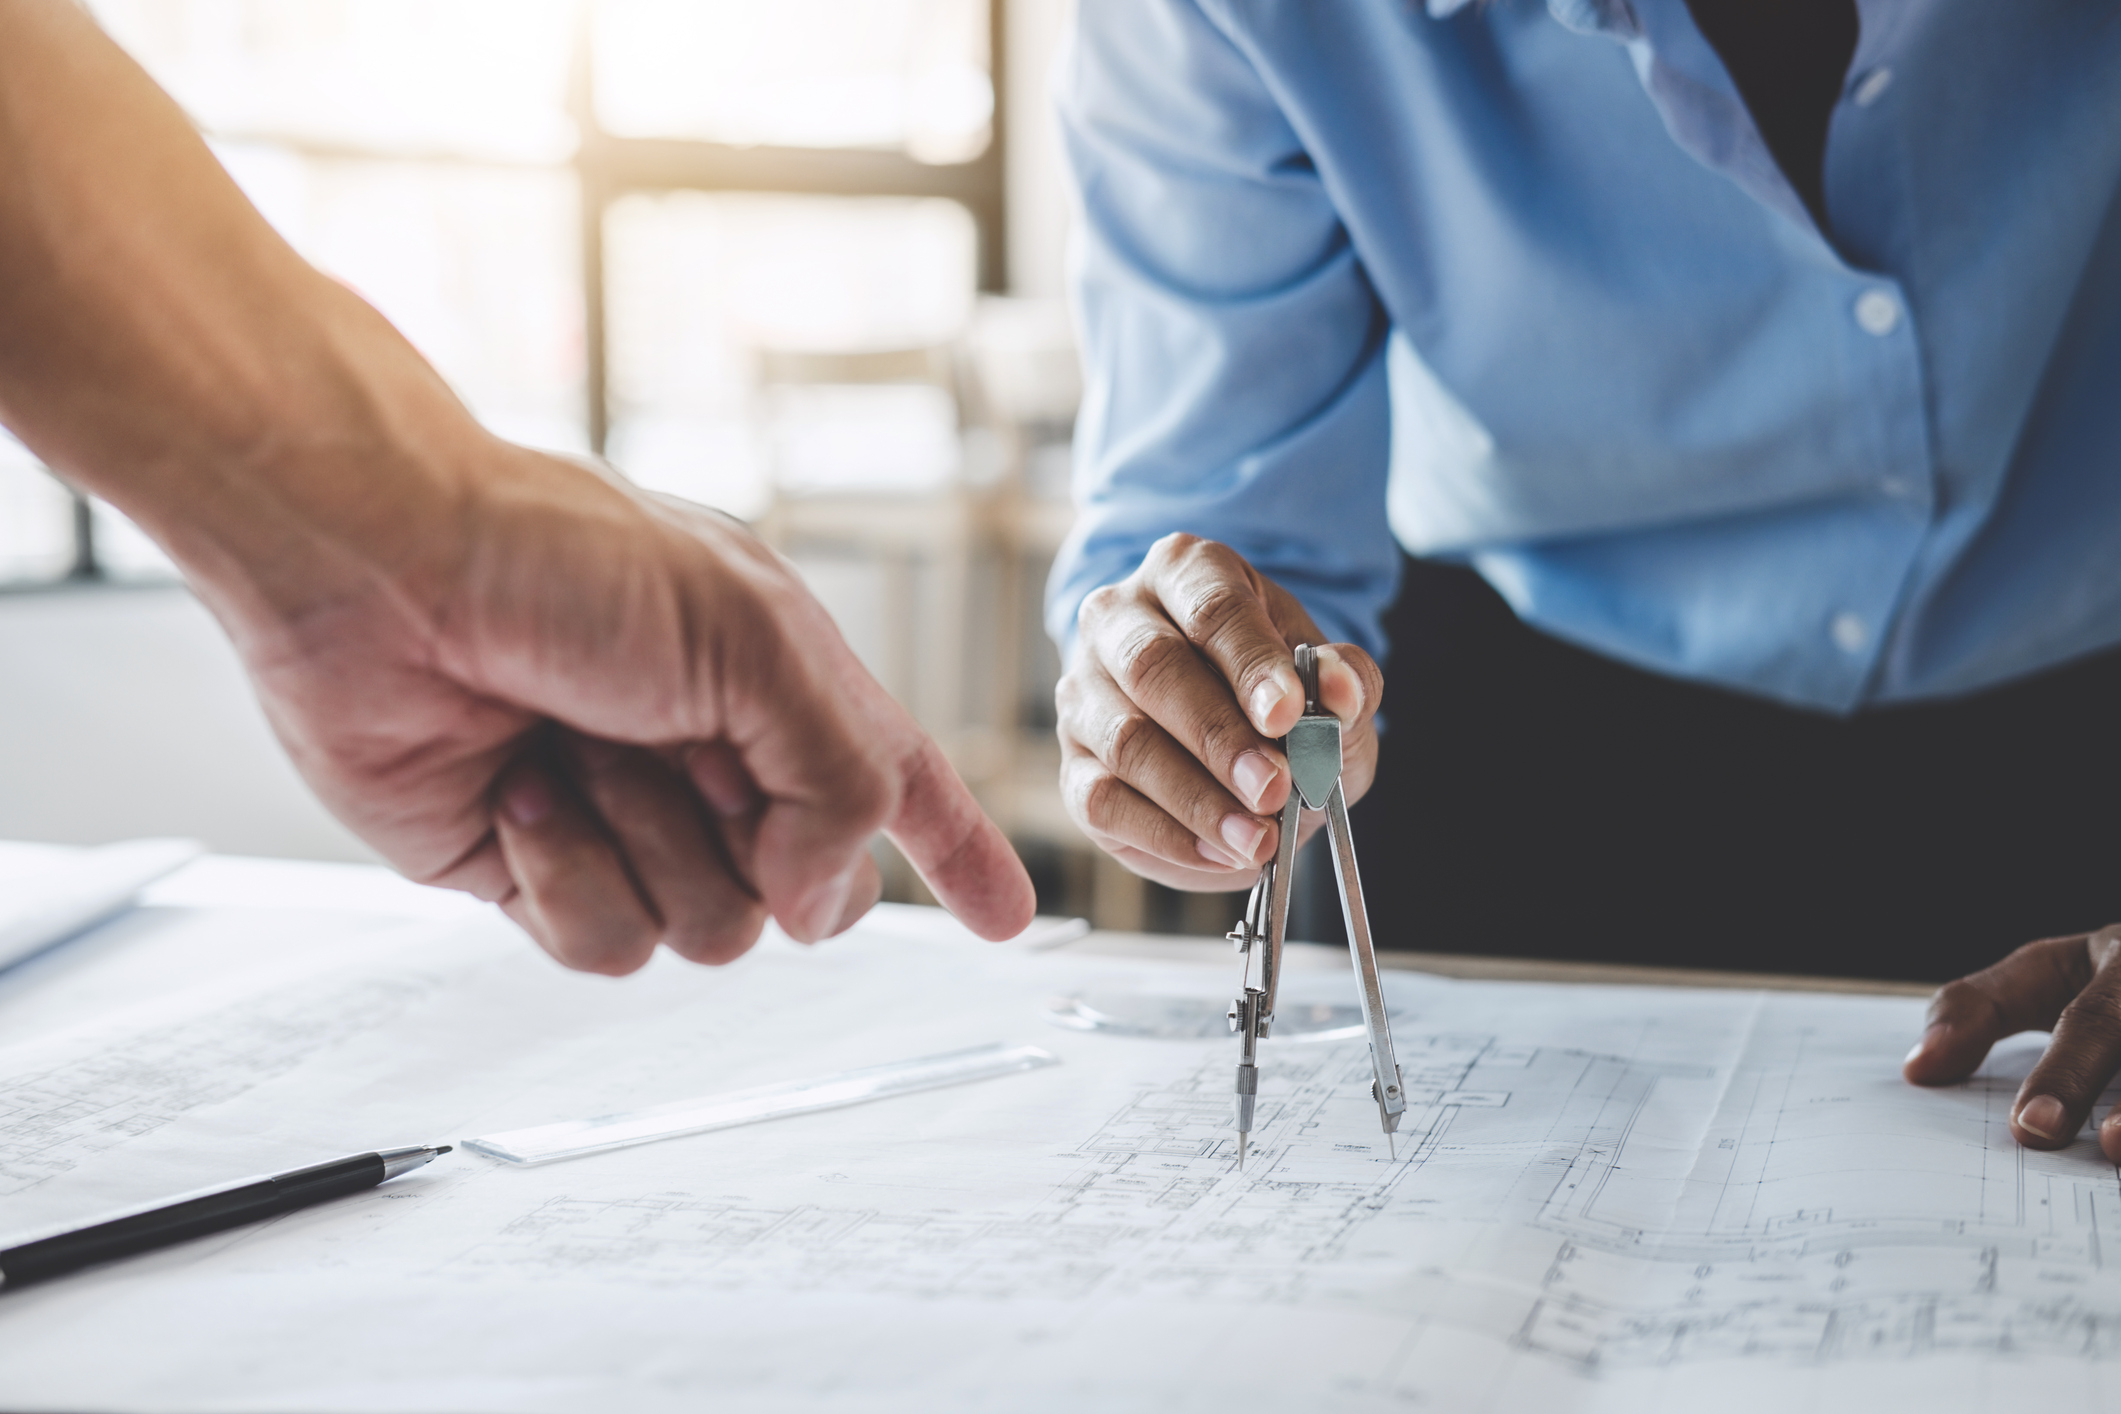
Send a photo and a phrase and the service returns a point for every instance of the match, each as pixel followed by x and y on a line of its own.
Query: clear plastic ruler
pixel 570 1138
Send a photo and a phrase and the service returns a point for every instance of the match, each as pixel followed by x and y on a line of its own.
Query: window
pixel 604 220
pixel 707 292
pixel 894 75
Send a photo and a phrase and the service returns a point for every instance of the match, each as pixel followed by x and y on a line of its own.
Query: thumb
pixel 1350 684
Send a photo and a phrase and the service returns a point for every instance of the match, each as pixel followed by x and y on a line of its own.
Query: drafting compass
pixel 1313 749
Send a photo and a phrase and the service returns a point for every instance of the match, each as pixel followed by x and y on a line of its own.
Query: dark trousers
pixel 1537 800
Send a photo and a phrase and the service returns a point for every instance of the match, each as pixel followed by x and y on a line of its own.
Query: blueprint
pixel 1602 1199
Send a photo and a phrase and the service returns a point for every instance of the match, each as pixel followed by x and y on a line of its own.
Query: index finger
pixel 960 853
pixel 1218 602
pixel 834 760
pixel 2025 992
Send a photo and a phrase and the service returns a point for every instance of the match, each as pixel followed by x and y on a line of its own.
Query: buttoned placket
pixel 1876 330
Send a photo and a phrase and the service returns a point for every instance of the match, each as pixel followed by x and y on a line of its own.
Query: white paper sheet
pixel 1607 1199
pixel 72 890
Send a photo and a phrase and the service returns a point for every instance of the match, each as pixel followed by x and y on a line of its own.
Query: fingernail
pixel 2042 1115
pixel 1932 1037
pixel 827 902
pixel 1330 661
pixel 1252 774
pixel 853 908
pixel 1269 695
pixel 1242 833
pixel 1214 855
pixel 527 801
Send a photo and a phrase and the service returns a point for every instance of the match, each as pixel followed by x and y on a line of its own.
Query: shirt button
pixel 1849 633
pixel 1873 86
pixel 1877 312
pixel 1900 488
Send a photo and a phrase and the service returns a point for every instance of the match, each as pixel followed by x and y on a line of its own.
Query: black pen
pixel 208 1212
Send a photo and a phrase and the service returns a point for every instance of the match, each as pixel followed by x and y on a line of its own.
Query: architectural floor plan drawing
pixel 1602 1200
pixel 77 1105
pixel 1154 1203
pixel 1825 1220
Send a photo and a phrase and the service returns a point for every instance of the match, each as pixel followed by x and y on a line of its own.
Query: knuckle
pixel 1151 658
pixel 864 797
pixel 1224 736
pixel 1967 1001
pixel 1104 797
pixel 1130 744
pixel 2026 988
pixel 1076 776
pixel 1204 802
pixel 1215 606
pixel 2094 1017
pixel 1100 605
pixel 1081 701
pixel 1114 814
pixel 1211 556
pixel 1170 550
pixel 2061 966
pixel 1068 694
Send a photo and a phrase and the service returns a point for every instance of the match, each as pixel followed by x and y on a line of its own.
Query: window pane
pixel 899 437
pixel 36 519
pixel 485 77
pixel 756 339
pixel 478 266
pixel 906 74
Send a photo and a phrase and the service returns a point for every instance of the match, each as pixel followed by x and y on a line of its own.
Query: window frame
pixel 607 167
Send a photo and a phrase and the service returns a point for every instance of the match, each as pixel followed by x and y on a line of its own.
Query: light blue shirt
pixel 1519 284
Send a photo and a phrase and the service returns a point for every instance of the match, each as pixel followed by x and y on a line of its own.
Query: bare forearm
pixel 162 346
pixel 499 667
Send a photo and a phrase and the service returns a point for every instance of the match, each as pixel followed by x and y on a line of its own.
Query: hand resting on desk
pixel 2070 986
pixel 620 716
pixel 1182 681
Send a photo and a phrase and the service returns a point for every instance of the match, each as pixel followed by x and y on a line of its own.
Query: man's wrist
pixel 166 350
pixel 348 474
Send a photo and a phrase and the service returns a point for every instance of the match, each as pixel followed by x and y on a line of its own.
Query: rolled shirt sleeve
pixel 1234 346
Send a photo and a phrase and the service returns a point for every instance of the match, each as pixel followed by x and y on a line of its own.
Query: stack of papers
pixel 51 894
